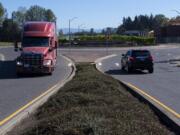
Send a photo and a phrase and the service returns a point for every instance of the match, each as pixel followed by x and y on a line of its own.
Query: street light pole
pixel 178 12
pixel 70 20
pixel 69 30
pixel 108 33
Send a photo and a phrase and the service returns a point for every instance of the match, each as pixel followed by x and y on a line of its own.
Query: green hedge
pixel 62 40
pixel 118 38
pixel 136 39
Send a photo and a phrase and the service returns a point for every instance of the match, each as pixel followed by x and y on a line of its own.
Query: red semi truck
pixel 38 48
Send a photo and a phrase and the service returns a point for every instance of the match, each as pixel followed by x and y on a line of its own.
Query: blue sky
pixel 97 13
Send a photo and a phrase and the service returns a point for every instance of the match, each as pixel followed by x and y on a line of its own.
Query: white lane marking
pixel 157 53
pixel 100 64
pixel 103 58
pixel 117 64
pixel 177 57
pixel 2 57
pixel 70 64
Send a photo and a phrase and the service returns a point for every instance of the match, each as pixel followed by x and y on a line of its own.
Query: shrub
pixel 121 38
pixel 62 40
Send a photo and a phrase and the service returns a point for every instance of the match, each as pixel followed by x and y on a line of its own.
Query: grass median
pixel 92 104
pixel 6 44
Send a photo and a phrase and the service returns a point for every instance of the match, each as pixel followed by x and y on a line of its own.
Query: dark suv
pixel 137 59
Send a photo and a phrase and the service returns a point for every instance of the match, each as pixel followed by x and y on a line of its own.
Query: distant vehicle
pixel 38 48
pixel 137 59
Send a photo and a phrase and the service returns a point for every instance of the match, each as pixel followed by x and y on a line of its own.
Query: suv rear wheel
pixel 151 70
pixel 122 67
pixel 129 69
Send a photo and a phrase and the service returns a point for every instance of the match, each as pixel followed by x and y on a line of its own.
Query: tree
pixel 10 31
pixel 103 31
pixel 127 22
pixel 50 16
pixel 151 21
pixel 120 30
pixel 174 21
pixel 91 31
pixel 37 13
pixel 109 30
pixel 19 16
pixel 34 13
pixel 142 23
pixel 160 20
pixel 3 13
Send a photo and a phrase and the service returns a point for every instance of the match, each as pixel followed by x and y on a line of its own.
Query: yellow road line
pixel 155 100
pixel 26 106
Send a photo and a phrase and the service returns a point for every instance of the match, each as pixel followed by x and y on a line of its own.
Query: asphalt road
pixel 15 92
pixel 92 53
pixel 163 84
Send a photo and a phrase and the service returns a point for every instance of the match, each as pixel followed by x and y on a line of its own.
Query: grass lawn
pixel 92 104
pixel 6 44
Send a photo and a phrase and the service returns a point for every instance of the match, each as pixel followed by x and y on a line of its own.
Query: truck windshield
pixel 35 42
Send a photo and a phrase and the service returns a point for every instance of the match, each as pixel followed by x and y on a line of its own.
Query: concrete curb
pixel 2 47
pixel 2 57
pixel 26 112
pixel 169 119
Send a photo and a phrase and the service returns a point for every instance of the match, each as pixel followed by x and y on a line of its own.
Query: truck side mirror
pixel 16 46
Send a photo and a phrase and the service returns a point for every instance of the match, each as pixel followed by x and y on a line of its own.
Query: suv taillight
pixel 151 58
pixel 131 59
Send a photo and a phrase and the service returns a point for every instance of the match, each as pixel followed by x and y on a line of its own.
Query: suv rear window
pixel 140 53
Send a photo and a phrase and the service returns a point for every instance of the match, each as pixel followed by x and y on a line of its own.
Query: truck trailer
pixel 38 48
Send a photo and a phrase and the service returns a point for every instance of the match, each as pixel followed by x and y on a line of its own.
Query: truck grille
pixel 32 59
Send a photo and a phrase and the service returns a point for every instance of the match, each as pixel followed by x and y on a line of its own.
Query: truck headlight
pixel 19 63
pixel 47 62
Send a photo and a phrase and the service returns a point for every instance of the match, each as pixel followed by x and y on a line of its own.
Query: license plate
pixel 141 58
pixel 26 65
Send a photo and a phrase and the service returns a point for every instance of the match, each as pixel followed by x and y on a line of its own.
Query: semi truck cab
pixel 38 48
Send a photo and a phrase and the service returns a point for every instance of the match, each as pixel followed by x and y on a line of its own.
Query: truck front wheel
pixel 19 74
pixel 50 71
